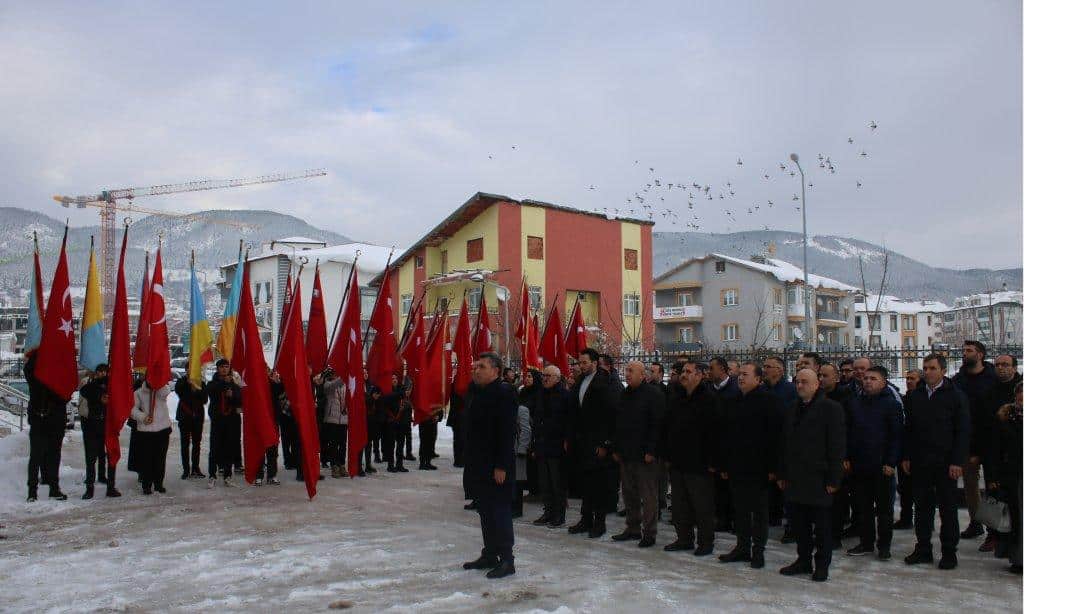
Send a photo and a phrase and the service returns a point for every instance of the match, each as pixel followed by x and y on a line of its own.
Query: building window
pixel 684 334
pixel 794 296
pixel 846 340
pixel 729 297
pixel 777 332
pixel 928 322
pixel 535 248
pixel 892 322
pixel 875 322
pixel 909 342
pixel 777 296
pixel 444 303
pixel 631 304
pixel 909 322
pixel 406 304
pixel 419 262
pixel 631 259
pixel 474 250
pixel 720 266
pixel 535 297
pixel 875 341
pixel 730 332
pixel 474 299
pixel 858 321
pixel 684 299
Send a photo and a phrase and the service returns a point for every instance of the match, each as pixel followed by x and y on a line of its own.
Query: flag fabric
pixel 56 365
pixel 463 351
pixel 412 350
pixel 482 336
pixel 382 358
pixel 346 359
pixel 158 346
pixel 552 345
pixel 523 314
pixel 143 325
pixel 92 338
pixel 429 387
pixel 34 313
pixel 294 372
pixel 119 384
pixel 288 296
pixel 248 359
pixel 575 339
pixel 531 355
pixel 200 332
pixel 229 324
pixel 317 339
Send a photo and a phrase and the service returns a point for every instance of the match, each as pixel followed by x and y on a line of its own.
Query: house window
pixel 684 299
pixel 535 248
pixel 793 296
pixel 631 304
pixel 535 297
pixel 474 250
pixel 777 332
pixel 892 322
pixel 730 332
pixel 720 266
pixel 875 322
pixel 875 341
pixel 729 297
pixel 777 296
pixel 846 340
pixel 685 334
pixel 909 342
pixel 858 321
pixel 444 303
pixel 474 299
pixel 631 259
pixel 419 262
pixel 909 322
pixel 406 304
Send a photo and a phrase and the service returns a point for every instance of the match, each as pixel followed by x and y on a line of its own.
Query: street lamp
pixel 805 258
pixel 505 298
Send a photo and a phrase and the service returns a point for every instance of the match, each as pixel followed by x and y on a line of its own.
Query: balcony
pixel 831 318
pixel 796 311
pixel 686 313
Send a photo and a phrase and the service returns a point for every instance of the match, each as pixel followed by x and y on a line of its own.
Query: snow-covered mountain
pixel 836 257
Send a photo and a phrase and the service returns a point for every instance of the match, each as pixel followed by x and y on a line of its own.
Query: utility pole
pixel 810 334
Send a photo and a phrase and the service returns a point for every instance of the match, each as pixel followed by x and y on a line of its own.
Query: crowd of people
pixel 725 446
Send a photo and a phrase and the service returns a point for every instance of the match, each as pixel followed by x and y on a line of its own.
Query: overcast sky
pixel 404 107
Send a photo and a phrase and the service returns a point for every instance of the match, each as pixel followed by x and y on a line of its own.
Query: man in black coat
pixel 47 414
pixel 489 417
pixel 1002 392
pixel 594 401
pixel 975 379
pixel 548 447
pixel 724 385
pixel 225 413
pixel 635 450
pixel 688 452
pixel 935 451
pixel 873 452
pixel 810 470
pixel 749 438
pixel 190 417
pixel 94 394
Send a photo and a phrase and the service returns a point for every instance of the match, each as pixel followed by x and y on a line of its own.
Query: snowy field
pixel 395 542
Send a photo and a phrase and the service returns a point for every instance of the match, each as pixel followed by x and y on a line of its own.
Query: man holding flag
pixel 92 357
pixel 192 397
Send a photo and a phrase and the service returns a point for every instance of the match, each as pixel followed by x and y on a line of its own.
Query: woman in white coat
pixel 153 430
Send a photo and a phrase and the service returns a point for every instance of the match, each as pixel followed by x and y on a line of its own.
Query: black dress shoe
pixel 704 550
pixel 185 475
pixel 678 547
pixel 557 522
pixel 1016 569
pixel 55 493
pixel 32 495
pixel 146 488
pixel 919 556
pixel 646 542
pixel 197 473
pixel 90 494
pixel 757 561
pixel 974 529
pixel 391 469
pixel 581 526
pixel 159 489
pixel 797 568
pixel 626 537
pixel 596 531
pixel 884 554
pixel 737 555
pixel 504 569
pixel 948 561
pixel 860 550
pixel 113 492
pixel 820 574
pixel 409 457
pixel 543 520
pixel 484 562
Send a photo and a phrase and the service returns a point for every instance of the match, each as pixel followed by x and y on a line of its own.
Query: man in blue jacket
pixel 489 463
pixel 873 452
pixel 936 439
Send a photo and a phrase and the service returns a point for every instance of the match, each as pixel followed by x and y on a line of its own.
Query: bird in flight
pixel 863 154
pixel 850 141
pixel 795 197
pixel 858 184
pixel 739 163
pixel 873 125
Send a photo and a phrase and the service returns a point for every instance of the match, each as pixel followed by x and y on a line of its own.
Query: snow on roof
pixel 298 240
pixel 994 298
pixel 786 272
pixel 372 258
pixel 902 306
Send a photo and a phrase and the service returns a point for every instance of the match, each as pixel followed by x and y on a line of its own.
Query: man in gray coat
pixel 810 470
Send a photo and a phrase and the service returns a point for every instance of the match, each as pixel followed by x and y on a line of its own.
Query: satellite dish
pixel 797 333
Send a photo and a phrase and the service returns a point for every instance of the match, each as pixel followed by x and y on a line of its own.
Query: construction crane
pixel 106 201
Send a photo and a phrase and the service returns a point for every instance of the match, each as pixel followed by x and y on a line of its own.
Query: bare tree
pixel 761 310
pixel 870 318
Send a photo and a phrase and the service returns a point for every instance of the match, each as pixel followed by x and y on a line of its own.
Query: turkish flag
pixel 248 359
pixel 119 384
pixel 463 350
pixel 56 364
pixel 346 359
pixel 143 325
pixel 294 372
pixel 531 354
pixel 552 346
pixel 382 360
pixel 429 385
pixel 575 340
pixel 158 346
pixel 412 351
pixel 317 339
pixel 482 337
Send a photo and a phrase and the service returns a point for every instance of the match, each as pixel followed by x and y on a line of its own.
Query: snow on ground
pixel 395 542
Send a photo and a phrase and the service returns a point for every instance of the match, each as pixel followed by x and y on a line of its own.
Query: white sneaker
pixel 227 482
pixel 274 481
pixel 258 482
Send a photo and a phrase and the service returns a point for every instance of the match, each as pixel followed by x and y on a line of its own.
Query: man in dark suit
pixel 594 401
pixel 724 386
pixel 489 416
pixel 810 469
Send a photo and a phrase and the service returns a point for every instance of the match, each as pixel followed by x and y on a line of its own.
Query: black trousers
pixel 693 507
pixel 336 441
pixel 289 440
pixel 931 487
pixel 776 511
pixel 94 449
pixel 812 527
pixel 393 444
pixel 406 433
pixel 841 508
pixel 903 487
pixel 457 446
pixel 429 434
pixel 750 495
pixel 225 445
pixel 376 430
pixel 45 449
pixel 268 467
pixel 191 431
pixel 153 448
pixel 496 524
pixel 872 496
pixel 553 486
pixel 600 485
pixel 724 506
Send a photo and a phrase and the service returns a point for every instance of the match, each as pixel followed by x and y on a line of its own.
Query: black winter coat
pixel 489 417
pixel 638 423
pixel 93 391
pixel 938 427
pixel 593 420
pixel 550 421
pixel 1000 394
pixel 729 391
pixel 191 401
pixel 812 451
pixel 689 431
pixel 976 388
pixel 785 391
pixel 875 432
pixel 1007 460
pixel 219 404
pixel 750 433
pixel 46 408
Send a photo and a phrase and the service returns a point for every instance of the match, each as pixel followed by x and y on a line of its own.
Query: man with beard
pixel 1002 393
pixel 594 405
pixel 94 392
pixel 975 379
pixel 846 372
